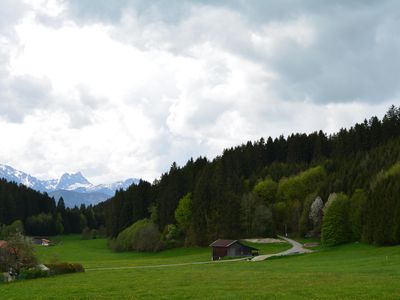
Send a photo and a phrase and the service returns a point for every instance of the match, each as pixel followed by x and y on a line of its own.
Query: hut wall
pixel 235 250
pixel 219 252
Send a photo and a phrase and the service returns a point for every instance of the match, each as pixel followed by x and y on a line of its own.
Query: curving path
pixel 297 248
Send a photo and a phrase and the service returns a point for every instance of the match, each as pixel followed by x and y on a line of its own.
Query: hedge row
pixel 64 268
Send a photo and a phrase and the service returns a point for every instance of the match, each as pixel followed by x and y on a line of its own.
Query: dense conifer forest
pixel 344 186
pixel 269 186
pixel 40 214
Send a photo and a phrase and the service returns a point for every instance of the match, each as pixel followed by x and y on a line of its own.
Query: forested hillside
pixel 40 215
pixel 269 186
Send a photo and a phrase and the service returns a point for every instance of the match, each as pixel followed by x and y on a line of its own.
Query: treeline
pixel 344 186
pixel 41 215
pixel 269 186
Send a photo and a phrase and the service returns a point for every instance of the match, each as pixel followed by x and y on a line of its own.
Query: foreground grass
pixel 353 271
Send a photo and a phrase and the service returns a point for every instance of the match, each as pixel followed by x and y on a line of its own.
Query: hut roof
pixel 222 243
pixel 228 243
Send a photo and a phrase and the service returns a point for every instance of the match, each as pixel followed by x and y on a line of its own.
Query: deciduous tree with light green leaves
pixel 183 213
pixel 266 190
pixel 298 187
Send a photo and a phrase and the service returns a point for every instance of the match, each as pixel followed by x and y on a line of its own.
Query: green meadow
pixel 353 271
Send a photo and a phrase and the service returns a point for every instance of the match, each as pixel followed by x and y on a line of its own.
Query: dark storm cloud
pixel 354 55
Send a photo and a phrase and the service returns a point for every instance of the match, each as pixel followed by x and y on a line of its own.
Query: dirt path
pixel 167 265
pixel 296 248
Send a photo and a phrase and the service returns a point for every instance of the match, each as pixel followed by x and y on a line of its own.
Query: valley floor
pixel 353 271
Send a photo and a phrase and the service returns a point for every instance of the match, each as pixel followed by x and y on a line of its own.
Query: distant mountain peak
pixel 74 187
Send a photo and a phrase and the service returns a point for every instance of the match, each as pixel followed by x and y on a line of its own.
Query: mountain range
pixel 74 188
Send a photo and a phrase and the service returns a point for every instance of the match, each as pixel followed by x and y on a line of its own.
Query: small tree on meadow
pixel 336 226
pixel 18 253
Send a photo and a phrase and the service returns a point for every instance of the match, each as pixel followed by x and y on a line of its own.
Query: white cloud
pixel 123 90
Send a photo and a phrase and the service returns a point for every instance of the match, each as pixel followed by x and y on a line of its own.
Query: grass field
pixel 95 254
pixel 353 271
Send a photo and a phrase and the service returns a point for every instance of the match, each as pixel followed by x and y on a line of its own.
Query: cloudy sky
pixel 120 89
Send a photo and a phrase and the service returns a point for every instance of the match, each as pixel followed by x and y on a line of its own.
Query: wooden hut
pixel 41 241
pixel 231 248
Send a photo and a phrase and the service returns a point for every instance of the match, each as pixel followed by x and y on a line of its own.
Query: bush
pixel 65 268
pixel 18 254
pixel 32 273
pixel 86 234
pixel 91 234
pixel 141 236
pixel 336 225
pixel 172 236
pixel 8 231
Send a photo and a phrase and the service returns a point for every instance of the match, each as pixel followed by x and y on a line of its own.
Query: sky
pixel 123 88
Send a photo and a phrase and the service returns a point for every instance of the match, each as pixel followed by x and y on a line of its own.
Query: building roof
pixel 222 243
pixel 228 243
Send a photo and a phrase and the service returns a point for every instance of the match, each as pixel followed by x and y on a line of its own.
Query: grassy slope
pixel 353 271
pixel 95 254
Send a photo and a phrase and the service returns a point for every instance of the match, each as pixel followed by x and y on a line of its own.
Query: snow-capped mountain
pixel 10 174
pixel 74 188
pixel 110 189
pixel 72 182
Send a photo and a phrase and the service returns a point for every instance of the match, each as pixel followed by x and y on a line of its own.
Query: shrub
pixel 17 254
pixel 32 273
pixel 8 231
pixel 86 234
pixel 336 226
pixel 172 236
pixel 65 268
pixel 141 236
